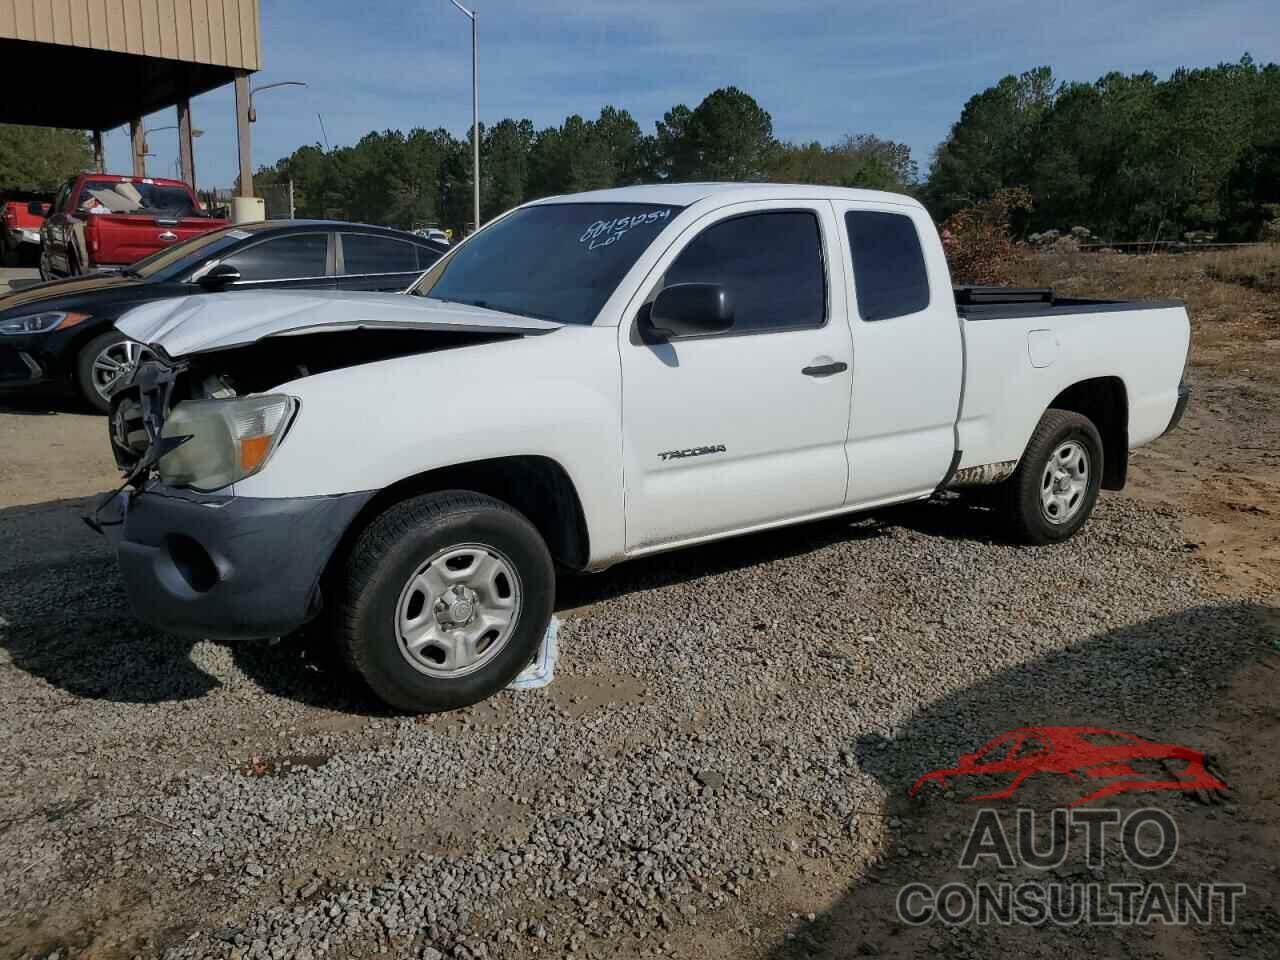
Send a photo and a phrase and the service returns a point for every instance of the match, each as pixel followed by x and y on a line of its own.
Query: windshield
pixel 188 254
pixel 134 196
pixel 555 261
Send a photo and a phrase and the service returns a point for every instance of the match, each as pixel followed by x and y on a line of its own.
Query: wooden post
pixel 137 142
pixel 242 132
pixel 186 149
pixel 97 152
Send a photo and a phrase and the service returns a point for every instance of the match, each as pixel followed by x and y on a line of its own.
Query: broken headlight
pixel 227 440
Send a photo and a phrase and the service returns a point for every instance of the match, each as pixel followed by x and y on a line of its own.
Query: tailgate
pixel 17 215
pixel 120 239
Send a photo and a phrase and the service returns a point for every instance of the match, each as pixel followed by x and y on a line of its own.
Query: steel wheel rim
pixel 1065 482
pixel 458 610
pixel 113 366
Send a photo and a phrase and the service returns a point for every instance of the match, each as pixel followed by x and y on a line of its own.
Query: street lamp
pixel 475 114
pixel 146 149
pixel 253 114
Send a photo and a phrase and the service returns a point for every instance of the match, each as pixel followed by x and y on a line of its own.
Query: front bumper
pixel 1179 408
pixel 227 567
pixel 18 367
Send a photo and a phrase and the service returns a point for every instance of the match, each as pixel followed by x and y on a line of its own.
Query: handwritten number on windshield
pixel 604 232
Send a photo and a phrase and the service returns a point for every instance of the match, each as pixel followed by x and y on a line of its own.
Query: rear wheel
pixel 104 365
pixel 1054 490
pixel 445 598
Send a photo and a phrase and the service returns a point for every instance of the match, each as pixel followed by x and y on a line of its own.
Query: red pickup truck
pixel 103 220
pixel 21 213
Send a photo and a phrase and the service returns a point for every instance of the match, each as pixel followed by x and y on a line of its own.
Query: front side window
pixel 770 264
pixel 363 253
pixel 553 261
pixel 888 265
pixel 294 257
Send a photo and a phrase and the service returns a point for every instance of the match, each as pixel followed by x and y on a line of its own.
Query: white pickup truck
pixel 592 378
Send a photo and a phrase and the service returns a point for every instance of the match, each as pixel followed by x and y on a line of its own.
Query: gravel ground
pixel 720 768
pixel 710 739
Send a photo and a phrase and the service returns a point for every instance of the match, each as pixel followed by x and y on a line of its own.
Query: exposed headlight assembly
pixel 40 323
pixel 228 440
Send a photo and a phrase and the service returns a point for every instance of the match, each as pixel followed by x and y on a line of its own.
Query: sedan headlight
pixel 40 323
pixel 228 439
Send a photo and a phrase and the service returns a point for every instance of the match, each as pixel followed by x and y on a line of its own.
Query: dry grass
pixel 1254 267
pixel 1233 297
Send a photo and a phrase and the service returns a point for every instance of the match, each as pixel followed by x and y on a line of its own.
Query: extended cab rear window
pixel 889 276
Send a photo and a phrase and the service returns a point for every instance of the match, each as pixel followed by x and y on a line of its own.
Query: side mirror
pixel 36 208
pixel 688 310
pixel 219 277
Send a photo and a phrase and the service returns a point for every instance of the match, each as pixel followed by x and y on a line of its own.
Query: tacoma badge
pixel 691 452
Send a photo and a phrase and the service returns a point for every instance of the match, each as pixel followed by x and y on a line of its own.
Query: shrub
pixel 979 241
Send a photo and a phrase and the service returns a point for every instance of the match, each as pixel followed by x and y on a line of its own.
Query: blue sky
pixel 901 69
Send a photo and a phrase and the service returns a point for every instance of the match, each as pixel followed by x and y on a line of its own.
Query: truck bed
pixel 994 303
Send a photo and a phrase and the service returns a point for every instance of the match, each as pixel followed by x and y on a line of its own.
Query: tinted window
pixel 888 265
pixel 770 263
pixel 558 261
pixel 362 253
pixel 300 255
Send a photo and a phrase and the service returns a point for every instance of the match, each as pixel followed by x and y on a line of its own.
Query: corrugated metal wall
pixel 219 32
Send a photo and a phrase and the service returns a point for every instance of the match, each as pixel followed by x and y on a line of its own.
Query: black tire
pixel 84 368
pixel 384 559
pixel 1027 517
pixel 9 253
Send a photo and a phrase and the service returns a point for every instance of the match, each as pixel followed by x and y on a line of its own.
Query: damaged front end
pixel 161 384
pixel 207 406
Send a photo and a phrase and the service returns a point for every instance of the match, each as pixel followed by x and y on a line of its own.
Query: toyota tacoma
pixel 588 379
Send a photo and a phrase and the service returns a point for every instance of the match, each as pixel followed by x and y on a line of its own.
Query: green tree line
pixel 424 176
pixel 1131 157
pixel 40 158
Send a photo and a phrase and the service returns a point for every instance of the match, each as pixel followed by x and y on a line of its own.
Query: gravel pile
pixel 712 724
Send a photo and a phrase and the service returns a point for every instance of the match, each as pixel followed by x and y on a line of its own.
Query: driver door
pixel 745 428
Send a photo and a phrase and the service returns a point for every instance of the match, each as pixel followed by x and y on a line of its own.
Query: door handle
pixel 829 369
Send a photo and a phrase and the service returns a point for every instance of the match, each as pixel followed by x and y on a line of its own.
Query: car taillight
pixel 10 215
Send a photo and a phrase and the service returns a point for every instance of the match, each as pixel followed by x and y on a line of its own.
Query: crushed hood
pixel 217 321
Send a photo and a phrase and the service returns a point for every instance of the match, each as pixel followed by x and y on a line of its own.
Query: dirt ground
pixel 1217 475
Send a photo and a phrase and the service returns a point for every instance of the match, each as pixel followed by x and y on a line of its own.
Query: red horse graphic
pixel 1081 753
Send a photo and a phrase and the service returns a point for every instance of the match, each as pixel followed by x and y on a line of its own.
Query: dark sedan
pixel 63 331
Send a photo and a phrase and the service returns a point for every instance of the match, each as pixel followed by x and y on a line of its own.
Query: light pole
pixel 475 116
pixel 253 114
pixel 146 149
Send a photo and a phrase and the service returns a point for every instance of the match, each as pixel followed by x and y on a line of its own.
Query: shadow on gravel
pixel 64 618
pixel 950 517
pixel 1202 678
pixel 722 556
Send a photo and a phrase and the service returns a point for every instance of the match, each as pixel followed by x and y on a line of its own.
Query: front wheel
pixel 1053 491
pixel 444 599
pixel 104 365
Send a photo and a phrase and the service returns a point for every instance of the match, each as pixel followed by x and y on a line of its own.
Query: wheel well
pixel 536 486
pixel 1105 401
pixel 69 358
